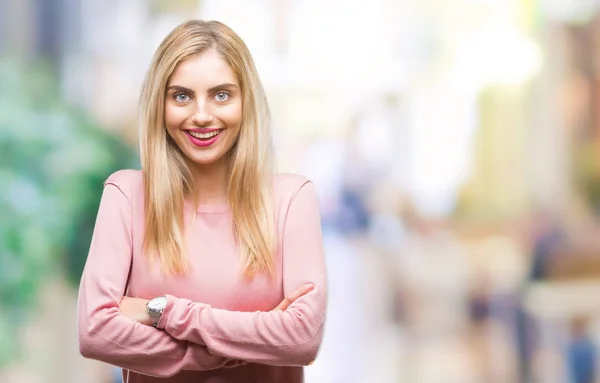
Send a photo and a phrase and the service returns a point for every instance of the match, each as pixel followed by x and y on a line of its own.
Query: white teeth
pixel 204 136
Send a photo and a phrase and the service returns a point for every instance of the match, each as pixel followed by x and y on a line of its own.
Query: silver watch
pixel 155 308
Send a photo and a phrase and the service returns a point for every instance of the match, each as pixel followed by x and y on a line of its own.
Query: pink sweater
pixel 217 326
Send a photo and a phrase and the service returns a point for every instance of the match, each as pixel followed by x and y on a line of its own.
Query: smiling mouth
pixel 204 136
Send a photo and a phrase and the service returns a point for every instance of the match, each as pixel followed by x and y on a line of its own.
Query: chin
pixel 205 163
pixel 207 159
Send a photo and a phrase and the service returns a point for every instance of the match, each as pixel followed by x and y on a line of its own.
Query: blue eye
pixel 222 96
pixel 181 97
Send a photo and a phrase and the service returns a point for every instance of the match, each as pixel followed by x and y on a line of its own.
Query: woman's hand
pixel 135 309
pixel 302 290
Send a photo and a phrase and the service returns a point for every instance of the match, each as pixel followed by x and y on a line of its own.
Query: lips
pixel 203 136
pixel 203 139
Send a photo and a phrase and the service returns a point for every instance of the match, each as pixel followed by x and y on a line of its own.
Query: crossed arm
pixel 135 308
pixel 193 335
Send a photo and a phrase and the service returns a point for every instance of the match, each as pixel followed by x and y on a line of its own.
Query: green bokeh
pixel 53 161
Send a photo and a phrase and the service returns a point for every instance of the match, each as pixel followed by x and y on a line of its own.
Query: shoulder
pixel 294 196
pixel 128 181
pixel 286 186
pixel 288 183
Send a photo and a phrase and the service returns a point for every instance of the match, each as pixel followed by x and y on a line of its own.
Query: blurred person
pixel 204 266
pixel 548 236
pixel 353 217
pixel 481 322
pixel 581 353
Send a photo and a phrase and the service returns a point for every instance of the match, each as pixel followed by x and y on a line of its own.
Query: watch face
pixel 158 303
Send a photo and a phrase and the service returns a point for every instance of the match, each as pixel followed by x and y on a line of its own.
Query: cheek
pixel 233 116
pixel 173 117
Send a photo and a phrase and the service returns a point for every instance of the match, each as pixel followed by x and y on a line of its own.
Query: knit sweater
pixel 218 325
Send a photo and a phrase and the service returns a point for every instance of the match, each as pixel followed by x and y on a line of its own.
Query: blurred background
pixel 454 145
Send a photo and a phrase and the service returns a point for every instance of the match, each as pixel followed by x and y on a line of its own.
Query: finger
pixel 283 305
pixel 305 289
pixel 294 295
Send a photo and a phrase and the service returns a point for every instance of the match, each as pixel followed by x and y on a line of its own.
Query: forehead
pixel 204 70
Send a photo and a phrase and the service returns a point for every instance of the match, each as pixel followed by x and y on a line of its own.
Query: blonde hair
pixel 168 180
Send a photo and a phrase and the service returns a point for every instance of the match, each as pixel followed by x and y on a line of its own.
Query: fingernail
pixel 310 286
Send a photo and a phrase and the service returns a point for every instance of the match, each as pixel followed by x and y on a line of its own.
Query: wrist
pixel 155 308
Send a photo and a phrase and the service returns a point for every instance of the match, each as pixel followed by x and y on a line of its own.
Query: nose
pixel 202 117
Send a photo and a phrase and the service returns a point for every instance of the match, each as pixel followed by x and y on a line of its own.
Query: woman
pixel 221 261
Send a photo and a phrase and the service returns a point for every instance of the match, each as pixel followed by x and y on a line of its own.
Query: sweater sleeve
pixel 105 334
pixel 291 337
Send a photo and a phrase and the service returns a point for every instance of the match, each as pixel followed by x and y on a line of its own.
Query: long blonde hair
pixel 167 178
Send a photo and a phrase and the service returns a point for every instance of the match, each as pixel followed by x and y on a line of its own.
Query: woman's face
pixel 203 108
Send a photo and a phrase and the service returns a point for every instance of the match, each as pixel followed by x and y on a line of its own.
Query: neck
pixel 210 183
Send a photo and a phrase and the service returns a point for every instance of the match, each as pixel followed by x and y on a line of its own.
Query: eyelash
pixel 184 94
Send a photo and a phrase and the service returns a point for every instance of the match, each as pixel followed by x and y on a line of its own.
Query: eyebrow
pixel 211 90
